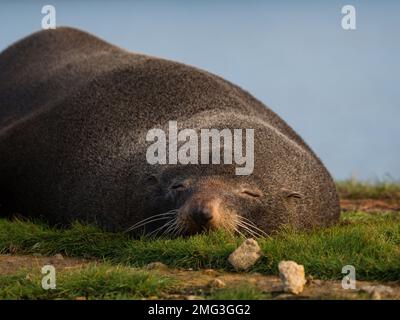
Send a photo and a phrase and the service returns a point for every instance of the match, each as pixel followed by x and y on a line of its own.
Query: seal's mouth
pixel 199 215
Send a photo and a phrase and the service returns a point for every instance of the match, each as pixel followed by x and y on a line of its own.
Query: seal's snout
pixel 201 213
pixel 202 216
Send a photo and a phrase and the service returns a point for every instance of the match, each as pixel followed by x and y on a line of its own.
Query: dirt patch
pixel 370 205
pixel 10 264
pixel 201 283
pixel 197 283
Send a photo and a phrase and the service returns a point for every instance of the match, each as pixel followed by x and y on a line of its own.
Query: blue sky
pixel 338 89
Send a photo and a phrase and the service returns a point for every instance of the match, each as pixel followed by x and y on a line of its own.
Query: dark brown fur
pixel 74 112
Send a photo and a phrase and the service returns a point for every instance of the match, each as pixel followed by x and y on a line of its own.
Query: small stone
pixel 246 255
pixel 292 276
pixel 376 292
pixel 156 265
pixel 210 272
pixel 58 256
pixel 317 282
pixel 283 296
pixel 276 288
pixel 216 283
pixel 375 295
pixel 191 297
pixel 171 296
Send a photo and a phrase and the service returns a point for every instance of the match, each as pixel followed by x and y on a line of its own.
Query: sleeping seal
pixel 75 113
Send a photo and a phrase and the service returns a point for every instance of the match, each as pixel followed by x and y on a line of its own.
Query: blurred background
pixel 338 89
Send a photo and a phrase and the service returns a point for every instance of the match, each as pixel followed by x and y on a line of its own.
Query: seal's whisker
pixel 246 220
pixel 240 233
pixel 252 225
pixel 171 227
pixel 171 212
pixel 147 222
pixel 237 224
pixel 249 231
pixel 252 232
pixel 248 228
pixel 156 231
pixel 229 230
pixel 139 223
pixel 176 231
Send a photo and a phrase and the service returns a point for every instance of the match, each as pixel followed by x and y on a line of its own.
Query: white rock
pixel 246 255
pixel 292 276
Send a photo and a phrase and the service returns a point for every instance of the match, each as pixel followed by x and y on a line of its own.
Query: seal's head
pixel 211 203
pixel 187 203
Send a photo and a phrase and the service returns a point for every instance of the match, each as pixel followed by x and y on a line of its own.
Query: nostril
pixel 202 216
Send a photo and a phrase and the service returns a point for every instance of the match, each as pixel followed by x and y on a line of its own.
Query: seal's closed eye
pixel 178 186
pixel 295 195
pixel 291 194
pixel 252 193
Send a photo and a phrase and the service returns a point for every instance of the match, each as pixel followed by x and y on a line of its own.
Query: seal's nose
pixel 201 216
pixel 201 213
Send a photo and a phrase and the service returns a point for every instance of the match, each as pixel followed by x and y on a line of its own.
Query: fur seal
pixel 74 113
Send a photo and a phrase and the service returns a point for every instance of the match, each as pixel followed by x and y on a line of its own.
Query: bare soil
pixel 370 205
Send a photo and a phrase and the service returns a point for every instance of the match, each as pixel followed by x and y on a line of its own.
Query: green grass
pixel 355 189
pixel 369 242
pixel 243 292
pixel 92 282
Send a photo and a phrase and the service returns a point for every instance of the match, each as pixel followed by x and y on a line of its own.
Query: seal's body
pixel 74 114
